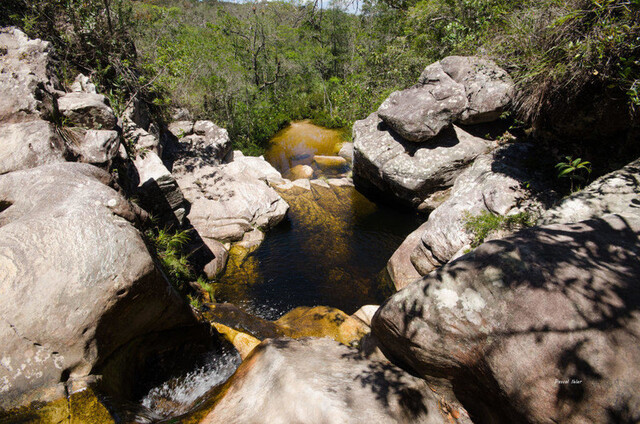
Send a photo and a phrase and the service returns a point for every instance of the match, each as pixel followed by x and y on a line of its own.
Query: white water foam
pixel 177 396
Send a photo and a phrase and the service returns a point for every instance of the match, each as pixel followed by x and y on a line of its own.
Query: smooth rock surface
pixel 409 172
pixel 399 267
pixel 77 280
pixel 541 326
pixel 616 192
pixel 320 381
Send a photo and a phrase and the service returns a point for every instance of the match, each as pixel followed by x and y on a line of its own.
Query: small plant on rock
pixel 574 169
pixel 169 247
pixel 480 226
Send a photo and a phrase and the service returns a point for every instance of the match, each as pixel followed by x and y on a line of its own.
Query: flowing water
pixel 332 248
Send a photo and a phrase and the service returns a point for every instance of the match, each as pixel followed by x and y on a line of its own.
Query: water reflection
pixel 298 143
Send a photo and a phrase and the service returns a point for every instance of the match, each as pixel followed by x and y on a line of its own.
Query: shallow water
pixel 331 249
pixel 298 143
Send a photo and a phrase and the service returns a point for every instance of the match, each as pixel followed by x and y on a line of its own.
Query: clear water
pixel 331 249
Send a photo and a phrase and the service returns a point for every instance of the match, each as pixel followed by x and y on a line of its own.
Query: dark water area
pixel 331 250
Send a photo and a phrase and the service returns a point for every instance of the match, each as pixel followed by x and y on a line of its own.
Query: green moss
pixel 480 226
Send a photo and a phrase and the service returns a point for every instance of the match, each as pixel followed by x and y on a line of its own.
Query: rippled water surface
pixel 330 251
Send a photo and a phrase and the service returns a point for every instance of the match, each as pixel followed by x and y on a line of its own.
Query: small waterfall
pixel 179 395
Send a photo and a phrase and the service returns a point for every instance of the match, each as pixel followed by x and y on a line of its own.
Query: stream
pixel 331 250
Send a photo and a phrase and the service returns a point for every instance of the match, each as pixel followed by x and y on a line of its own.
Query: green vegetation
pixel 574 169
pixel 253 67
pixel 169 247
pixel 480 226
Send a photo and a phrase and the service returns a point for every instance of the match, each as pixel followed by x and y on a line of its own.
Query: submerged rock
pixel 541 326
pixel 77 280
pixel 318 380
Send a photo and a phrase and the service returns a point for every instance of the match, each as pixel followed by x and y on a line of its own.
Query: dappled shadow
pixel 566 295
pixel 391 384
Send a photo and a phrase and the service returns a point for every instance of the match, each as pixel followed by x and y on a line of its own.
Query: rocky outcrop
pixel 87 110
pixel 318 380
pixel 27 81
pixel 616 192
pixel 77 280
pixel 410 172
pixel 468 90
pixel 494 184
pixel 488 88
pixel 541 326
pixel 197 144
pixel 40 124
pixel 29 144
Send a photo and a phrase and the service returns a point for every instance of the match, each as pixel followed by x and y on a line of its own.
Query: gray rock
pixel 399 267
pixel 616 192
pixel 82 84
pixel 77 280
pixel 321 381
pixel 27 81
pixel 346 151
pixel 216 265
pixel 255 167
pixel 409 172
pixel 87 110
pixel 159 190
pixel 181 128
pixel 29 144
pixel 488 88
pixel 541 326
pixel 96 146
pixel 207 145
pixel 421 112
pixel 226 201
pixel 495 183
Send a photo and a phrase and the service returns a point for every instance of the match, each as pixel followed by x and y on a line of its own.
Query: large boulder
pixel 497 183
pixel 467 90
pixel 27 82
pixel 77 280
pixel 488 88
pixel 385 163
pixel 226 203
pixel 321 381
pixel 197 144
pixel 421 112
pixel 616 192
pixel 92 146
pixel 539 327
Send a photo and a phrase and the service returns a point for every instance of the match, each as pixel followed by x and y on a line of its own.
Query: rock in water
pixel 76 278
pixel 541 326
pixel 385 163
pixel 321 381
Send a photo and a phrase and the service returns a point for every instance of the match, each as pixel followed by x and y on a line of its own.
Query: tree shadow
pixel 568 293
